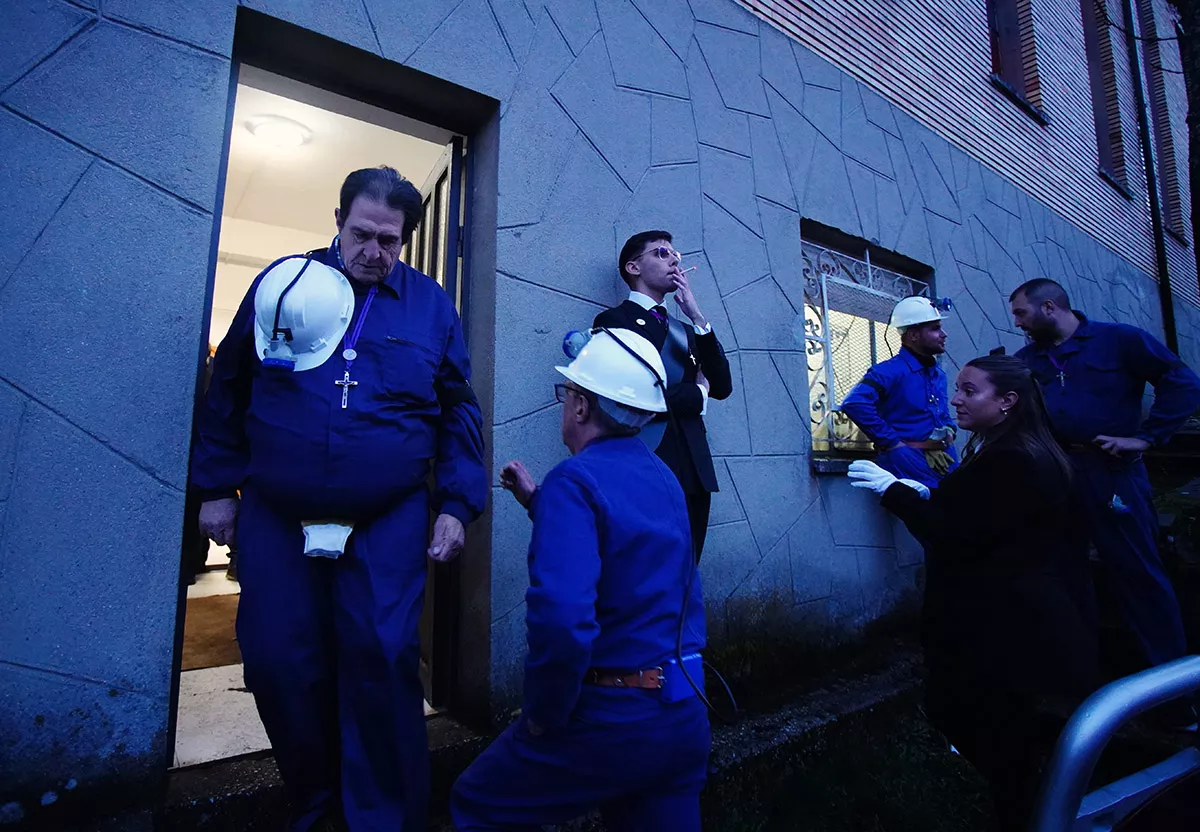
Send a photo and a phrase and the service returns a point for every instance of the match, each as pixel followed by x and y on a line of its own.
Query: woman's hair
pixel 1027 424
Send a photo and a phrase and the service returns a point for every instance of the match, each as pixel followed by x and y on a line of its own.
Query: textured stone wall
pixel 112 141
pixel 615 116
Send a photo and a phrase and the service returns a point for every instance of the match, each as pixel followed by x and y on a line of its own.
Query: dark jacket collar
pixel 915 362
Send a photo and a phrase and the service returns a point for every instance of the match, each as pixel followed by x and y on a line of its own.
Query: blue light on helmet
pixel 574 342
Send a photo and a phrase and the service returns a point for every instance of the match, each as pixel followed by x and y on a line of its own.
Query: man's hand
pixel 516 478
pixel 702 381
pixel 687 301
pixel 448 538
pixel 1117 445
pixel 218 520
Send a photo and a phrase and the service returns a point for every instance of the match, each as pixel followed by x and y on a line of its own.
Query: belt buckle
pixel 619 681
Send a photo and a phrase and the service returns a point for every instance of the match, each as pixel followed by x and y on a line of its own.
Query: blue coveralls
pixel 1105 368
pixel 331 647
pixel 608 565
pixel 902 400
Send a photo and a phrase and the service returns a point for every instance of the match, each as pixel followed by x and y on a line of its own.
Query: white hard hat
pixel 913 311
pixel 611 371
pixel 308 301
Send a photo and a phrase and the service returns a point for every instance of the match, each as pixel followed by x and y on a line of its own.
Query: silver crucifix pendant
pixel 345 383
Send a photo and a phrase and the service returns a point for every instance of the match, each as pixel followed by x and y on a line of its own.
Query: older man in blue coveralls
pixel 1093 376
pixel 610 719
pixel 902 403
pixel 342 382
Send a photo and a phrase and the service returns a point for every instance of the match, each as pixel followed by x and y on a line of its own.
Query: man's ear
pixel 337 218
pixel 583 409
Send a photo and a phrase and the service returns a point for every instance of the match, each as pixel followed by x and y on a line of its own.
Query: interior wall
pixel 280 200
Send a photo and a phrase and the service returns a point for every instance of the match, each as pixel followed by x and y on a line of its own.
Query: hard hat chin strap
pixel 285 331
pixel 658 380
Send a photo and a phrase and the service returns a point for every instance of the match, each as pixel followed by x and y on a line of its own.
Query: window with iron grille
pixel 847 305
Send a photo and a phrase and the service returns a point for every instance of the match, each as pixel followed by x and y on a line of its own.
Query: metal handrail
pixel 1087 734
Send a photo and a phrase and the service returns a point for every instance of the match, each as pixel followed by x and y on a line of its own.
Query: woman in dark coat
pixel 1003 630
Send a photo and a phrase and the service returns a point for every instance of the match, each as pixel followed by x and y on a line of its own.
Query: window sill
pixel 825 465
pixel 1018 99
pixel 1111 179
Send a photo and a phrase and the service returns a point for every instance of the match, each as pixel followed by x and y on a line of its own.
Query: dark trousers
pixel 1002 734
pixel 698 506
pixel 1127 543
pixel 331 654
pixel 643 763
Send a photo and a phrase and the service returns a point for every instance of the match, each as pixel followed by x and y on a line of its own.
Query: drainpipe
pixel 1165 297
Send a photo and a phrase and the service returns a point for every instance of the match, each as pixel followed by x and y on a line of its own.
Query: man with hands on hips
pixel 1093 375
pixel 902 403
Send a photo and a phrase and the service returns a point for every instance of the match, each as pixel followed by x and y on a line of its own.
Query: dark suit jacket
pixel 683 449
pixel 1006 586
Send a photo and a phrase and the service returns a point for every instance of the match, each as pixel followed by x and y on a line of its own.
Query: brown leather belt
pixel 928 445
pixel 651 679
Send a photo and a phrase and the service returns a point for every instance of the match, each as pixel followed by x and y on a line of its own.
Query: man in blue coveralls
pixel 902 404
pixel 614 602
pixel 1093 376
pixel 343 380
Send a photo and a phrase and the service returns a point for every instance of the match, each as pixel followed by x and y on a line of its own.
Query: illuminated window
pixel 847 305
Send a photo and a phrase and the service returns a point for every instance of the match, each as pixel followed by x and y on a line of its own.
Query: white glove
pixel 919 487
pixel 326 540
pixel 869 475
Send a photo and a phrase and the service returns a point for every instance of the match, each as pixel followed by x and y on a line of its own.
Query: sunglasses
pixel 663 252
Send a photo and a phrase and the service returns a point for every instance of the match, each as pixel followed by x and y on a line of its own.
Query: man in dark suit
pixel 697 369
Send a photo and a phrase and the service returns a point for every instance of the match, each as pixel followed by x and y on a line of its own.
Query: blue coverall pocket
pixel 408 367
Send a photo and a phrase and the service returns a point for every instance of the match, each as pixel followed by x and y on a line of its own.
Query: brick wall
pixel 933 59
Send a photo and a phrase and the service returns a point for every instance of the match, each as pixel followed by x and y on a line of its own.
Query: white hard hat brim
pixel 659 405
pixel 284 273
pixel 308 361
pixel 924 319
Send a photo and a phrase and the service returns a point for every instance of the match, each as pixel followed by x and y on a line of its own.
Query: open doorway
pixel 290 148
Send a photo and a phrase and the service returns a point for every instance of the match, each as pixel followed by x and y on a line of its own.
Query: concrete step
pixel 247 794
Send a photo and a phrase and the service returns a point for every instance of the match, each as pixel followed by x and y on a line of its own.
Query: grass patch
pixel 881 770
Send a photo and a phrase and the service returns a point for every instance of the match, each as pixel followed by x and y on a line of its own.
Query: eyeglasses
pixel 663 252
pixel 560 393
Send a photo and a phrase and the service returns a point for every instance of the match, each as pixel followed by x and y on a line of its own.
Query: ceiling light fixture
pixel 278 131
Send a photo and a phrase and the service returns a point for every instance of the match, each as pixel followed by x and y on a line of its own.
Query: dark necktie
pixel 659 313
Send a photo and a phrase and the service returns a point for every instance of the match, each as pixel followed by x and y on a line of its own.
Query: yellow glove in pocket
pixel 939 462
